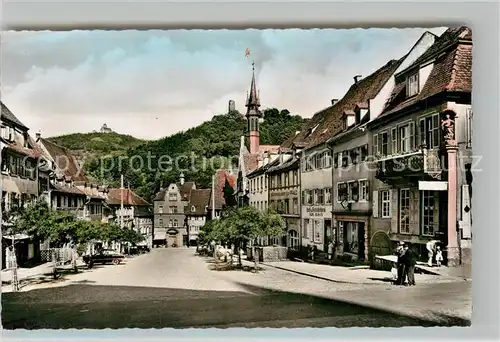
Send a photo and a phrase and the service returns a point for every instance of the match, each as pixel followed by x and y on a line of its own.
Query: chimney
pixel 334 101
pixel 182 178
pixel 357 78
pixel 38 135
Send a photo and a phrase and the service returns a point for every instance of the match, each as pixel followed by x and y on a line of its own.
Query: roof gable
pixel 7 115
pixel 64 160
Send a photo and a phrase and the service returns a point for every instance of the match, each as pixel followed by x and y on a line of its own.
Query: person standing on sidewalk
pixel 400 264
pixel 330 250
pixel 410 260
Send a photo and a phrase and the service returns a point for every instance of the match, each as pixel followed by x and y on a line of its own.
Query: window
pixel 384 143
pixel 295 177
pixel 327 160
pixel 404 139
pixel 363 190
pixel 336 160
pixel 364 152
pixel 353 192
pixel 293 239
pixel 172 196
pixel 173 209
pixel 404 211
pixel 286 179
pixel 394 141
pixel 468 128
pixel 287 206
pixel 193 208
pixel 160 222
pixel 429 131
pixel 295 206
pixel 375 145
pixel 328 195
pixel 341 191
pixel 317 230
pixel 160 209
pixel 345 158
pixel 320 196
pixel 386 203
pixel 176 223
pixel 412 85
pixel 428 218
pixel 309 197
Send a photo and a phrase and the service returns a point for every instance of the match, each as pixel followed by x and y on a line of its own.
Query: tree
pixel 240 226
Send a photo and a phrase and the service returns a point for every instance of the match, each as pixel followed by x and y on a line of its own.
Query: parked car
pixel 104 256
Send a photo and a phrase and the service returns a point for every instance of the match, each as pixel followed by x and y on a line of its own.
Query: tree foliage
pixel 238 225
pixel 61 227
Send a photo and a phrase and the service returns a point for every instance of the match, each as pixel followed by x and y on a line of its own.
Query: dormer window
pixel 412 85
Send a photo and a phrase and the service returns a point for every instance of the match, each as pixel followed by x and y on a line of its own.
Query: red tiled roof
pixel 360 92
pixel 67 189
pixel 130 198
pixel 65 160
pixel 200 199
pixel 452 54
pixel 222 177
pixel 184 189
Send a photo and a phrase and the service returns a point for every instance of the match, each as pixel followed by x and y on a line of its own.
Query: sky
pixel 151 84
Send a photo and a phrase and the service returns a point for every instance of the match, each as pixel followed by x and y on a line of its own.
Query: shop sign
pixel 317 211
pixel 284 193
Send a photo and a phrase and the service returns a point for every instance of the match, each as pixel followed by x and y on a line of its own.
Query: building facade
pixel 196 212
pixel 422 145
pixel 284 196
pixel 169 217
pixel 137 212
pixel 20 182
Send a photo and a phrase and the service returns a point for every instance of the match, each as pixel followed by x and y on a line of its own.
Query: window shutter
pixel 375 144
pixel 421 136
pixel 413 143
pixel 393 209
pixel 367 190
pixel 375 204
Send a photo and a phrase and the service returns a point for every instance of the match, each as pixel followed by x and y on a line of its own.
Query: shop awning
pixel 16 237
pixel 160 236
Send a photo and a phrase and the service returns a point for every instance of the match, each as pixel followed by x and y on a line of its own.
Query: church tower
pixel 253 115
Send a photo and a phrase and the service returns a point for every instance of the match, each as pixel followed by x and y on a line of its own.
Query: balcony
pixel 420 164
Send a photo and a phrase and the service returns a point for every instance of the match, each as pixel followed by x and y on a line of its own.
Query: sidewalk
pixel 34 276
pixel 354 275
pixel 26 273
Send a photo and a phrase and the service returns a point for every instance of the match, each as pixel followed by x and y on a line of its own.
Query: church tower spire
pixel 253 115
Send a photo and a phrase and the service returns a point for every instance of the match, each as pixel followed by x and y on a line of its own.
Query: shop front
pixel 317 226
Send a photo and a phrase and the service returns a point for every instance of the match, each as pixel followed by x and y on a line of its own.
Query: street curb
pixel 315 276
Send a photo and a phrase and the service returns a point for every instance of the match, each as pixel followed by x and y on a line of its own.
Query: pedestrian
pixel 330 250
pixel 431 247
pixel 439 256
pixel 401 263
pixel 410 260
pixel 394 272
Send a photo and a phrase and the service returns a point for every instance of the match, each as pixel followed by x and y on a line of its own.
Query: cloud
pixel 153 83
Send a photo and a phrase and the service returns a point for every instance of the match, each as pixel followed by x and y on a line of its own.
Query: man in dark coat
pixel 400 252
pixel 410 260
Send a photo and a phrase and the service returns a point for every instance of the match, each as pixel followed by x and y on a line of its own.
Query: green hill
pixel 197 152
pixel 97 144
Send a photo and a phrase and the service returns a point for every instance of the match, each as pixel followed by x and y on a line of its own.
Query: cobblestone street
pixel 175 288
